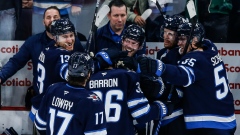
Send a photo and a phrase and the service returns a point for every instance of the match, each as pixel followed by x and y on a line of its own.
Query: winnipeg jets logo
pixel 105 73
pixel 66 92
pixel 94 97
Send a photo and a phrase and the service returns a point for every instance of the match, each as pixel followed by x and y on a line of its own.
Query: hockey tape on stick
pixel 146 14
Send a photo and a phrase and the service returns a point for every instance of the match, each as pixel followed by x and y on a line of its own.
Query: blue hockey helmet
pixel 184 29
pixel 173 22
pixel 62 26
pixel 134 32
pixel 199 32
pixel 80 64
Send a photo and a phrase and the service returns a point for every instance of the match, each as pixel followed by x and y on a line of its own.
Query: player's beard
pixel 47 28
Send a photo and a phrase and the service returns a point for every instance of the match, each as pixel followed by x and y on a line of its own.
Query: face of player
pixel 182 40
pixel 117 17
pixel 50 15
pixel 131 46
pixel 169 38
pixel 195 40
pixel 66 41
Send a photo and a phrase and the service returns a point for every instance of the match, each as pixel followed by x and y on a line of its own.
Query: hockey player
pixel 208 102
pixel 53 59
pixel 68 108
pixel 124 101
pixel 172 94
pixel 32 48
pixel 56 55
pixel 132 40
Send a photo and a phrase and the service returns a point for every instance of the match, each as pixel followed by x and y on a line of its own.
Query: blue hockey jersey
pixel 125 104
pixel 31 50
pixel 171 57
pixel 208 101
pixel 69 110
pixel 50 62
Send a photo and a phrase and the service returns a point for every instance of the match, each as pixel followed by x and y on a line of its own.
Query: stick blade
pixel 191 9
pixel 146 14
pixel 154 1
pixel 101 14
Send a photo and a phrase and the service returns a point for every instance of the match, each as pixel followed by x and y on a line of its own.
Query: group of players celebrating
pixel 118 92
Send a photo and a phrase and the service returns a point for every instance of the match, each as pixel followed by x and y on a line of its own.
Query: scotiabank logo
pixel 234 86
pixel 151 51
pixel 12 49
pixel 224 52
pixel 232 68
pixel 17 82
pixel 237 102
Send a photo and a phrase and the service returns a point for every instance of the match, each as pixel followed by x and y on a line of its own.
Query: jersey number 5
pixel 220 81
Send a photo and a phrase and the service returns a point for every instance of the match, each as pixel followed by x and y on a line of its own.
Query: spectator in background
pixel 24 26
pixel 135 8
pixel 214 15
pixel 9 16
pixel 109 36
pixel 234 23
pixel 69 9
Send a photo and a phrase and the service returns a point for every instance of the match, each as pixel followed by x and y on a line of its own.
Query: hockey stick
pixel 192 14
pixel 159 7
pixel 103 11
pixel 93 29
pixel 98 17
pixel 193 18
pixel 146 14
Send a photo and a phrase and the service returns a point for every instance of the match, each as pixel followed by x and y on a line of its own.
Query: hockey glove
pixel 162 109
pixel 128 62
pixel 107 57
pixel 170 107
pixel 151 87
pixel 29 95
pixel 150 66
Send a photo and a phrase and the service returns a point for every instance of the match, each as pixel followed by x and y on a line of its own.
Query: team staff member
pixel 132 40
pixel 31 49
pixel 109 36
pixel 52 59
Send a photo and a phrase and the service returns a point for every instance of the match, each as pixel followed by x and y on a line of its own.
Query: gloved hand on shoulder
pixel 150 66
pixel 128 63
pixel 108 57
